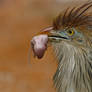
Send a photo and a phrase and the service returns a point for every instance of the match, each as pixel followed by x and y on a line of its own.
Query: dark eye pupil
pixel 70 32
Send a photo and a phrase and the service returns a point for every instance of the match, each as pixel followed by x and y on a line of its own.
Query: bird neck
pixel 74 72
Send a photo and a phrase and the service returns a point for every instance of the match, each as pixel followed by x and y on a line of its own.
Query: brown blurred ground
pixel 20 20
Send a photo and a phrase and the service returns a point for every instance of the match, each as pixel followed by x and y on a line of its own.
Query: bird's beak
pixel 53 35
pixel 50 32
pixel 46 31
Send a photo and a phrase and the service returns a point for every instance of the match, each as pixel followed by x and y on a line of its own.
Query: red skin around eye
pixel 39 45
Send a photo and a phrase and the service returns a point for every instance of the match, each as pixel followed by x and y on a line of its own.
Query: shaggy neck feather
pixel 74 72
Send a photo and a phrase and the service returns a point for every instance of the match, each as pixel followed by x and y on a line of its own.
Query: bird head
pixel 73 27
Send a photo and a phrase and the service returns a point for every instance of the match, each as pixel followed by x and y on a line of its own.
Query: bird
pixel 71 37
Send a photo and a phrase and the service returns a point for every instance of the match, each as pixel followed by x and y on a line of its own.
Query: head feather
pixel 75 17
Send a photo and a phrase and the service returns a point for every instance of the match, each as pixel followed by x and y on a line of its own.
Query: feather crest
pixel 75 17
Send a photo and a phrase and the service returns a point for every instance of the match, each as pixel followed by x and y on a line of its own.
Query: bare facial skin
pixel 39 45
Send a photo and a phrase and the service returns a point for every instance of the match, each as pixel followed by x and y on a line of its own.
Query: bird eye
pixel 70 32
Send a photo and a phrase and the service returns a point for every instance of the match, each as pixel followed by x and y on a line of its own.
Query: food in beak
pixel 39 45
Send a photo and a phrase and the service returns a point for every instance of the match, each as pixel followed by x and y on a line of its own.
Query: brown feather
pixel 75 17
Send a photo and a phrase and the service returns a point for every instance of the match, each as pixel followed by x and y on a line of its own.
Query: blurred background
pixel 20 20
